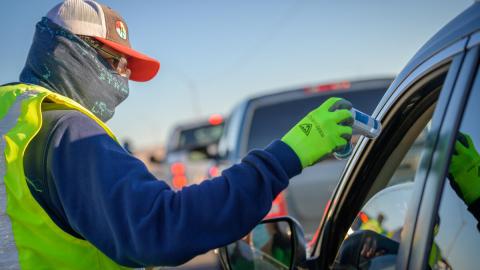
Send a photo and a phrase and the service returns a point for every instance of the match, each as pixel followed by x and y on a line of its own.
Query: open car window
pixel 385 211
pixel 373 238
pixel 199 136
pixel 377 229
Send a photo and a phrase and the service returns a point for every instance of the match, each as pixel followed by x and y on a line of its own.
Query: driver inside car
pixel 367 249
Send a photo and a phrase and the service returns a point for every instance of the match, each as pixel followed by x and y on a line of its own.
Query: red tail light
pixel 179 180
pixel 215 119
pixel 328 87
pixel 213 171
pixel 314 239
pixel 315 236
pixel 177 168
pixel 279 207
pixel 326 208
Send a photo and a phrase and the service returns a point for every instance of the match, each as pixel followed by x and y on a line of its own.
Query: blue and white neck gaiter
pixel 63 63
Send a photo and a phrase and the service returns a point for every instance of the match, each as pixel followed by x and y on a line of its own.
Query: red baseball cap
pixel 89 18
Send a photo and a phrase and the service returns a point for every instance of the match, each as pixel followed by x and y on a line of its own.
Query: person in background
pixel 375 224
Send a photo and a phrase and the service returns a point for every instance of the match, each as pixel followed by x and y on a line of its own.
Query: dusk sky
pixel 213 54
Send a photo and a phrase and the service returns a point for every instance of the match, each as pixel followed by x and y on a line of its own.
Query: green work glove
pixel 324 130
pixel 465 169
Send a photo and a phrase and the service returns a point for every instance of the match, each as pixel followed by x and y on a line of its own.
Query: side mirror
pixel 273 244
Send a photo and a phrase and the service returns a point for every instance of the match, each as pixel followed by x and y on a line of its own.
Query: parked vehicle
pixel 259 120
pixel 416 208
pixel 191 150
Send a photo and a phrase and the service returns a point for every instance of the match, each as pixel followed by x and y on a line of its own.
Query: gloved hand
pixel 465 169
pixel 324 130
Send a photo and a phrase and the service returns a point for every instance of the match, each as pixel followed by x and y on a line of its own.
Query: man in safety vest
pixel 72 198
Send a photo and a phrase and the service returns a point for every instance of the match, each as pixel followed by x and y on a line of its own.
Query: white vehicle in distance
pixel 191 150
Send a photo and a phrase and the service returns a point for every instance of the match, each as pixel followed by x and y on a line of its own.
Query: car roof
pixel 192 124
pixel 195 123
pixel 338 86
pixel 460 27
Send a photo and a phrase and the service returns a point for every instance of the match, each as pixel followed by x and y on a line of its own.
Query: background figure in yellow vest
pixel 72 198
pixel 435 252
pixel 374 224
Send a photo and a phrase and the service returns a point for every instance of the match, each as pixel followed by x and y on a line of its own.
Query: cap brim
pixel 143 68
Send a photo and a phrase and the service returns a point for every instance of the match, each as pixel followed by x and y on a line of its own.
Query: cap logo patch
pixel 121 29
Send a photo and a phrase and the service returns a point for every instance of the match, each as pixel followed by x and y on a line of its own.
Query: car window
pixel 274 120
pixel 374 237
pixel 385 211
pixel 456 233
pixel 376 232
pixel 199 136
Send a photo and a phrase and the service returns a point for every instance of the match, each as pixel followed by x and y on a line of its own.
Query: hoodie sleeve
pixel 110 199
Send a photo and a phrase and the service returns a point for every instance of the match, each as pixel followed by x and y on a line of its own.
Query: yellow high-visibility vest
pixel 29 238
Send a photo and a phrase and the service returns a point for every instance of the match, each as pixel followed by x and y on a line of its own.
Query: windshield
pixel 199 136
pixel 274 120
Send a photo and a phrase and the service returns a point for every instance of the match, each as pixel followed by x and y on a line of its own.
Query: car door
pixel 412 113
pixel 445 234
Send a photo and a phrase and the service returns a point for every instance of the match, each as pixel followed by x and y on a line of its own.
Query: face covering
pixel 63 63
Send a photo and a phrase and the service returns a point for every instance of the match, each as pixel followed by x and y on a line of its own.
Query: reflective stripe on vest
pixel 8 251
pixel 29 238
